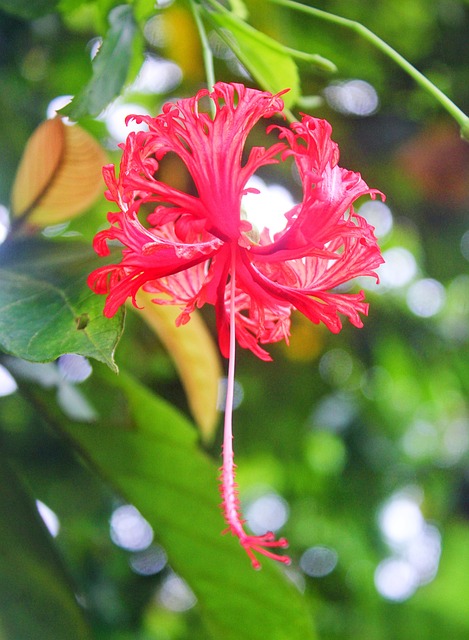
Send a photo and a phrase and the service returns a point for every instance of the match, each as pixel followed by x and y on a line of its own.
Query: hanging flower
pixel 198 249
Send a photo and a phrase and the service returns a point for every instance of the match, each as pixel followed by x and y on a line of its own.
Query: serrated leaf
pixel 46 308
pixel 268 62
pixel 27 9
pixel 37 599
pixel 156 465
pixel 110 67
pixel 59 175
pixel 195 355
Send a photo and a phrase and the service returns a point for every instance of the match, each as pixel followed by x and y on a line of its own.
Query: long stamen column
pixel 229 489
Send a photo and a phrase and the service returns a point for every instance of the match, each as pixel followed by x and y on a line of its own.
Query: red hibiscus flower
pixel 199 248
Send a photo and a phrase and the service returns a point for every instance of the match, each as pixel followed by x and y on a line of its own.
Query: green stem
pixel 313 58
pixel 206 50
pixel 461 118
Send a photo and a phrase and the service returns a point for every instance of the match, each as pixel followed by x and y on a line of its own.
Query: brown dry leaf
pixel 59 175
pixel 195 355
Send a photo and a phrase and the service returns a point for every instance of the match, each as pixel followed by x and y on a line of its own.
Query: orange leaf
pixel 195 355
pixel 59 175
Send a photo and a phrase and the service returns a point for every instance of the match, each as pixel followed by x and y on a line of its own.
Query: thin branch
pixel 461 118
pixel 206 49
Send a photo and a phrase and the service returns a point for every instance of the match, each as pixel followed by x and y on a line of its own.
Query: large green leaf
pixel 46 307
pixel 157 466
pixel 268 61
pixel 110 67
pixel 37 599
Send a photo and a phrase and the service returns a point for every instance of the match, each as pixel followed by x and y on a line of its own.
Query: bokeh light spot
pixel 154 31
pixel 4 223
pixel 423 553
pixel 319 561
pixel 49 518
pixel 426 297
pixel 74 368
pixel 175 594
pixel 421 440
pixel 150 561
pixel 114 117
pixel 416 546
pixel 379 215
pixel 238 394
pixel 94 45
pixel 56 104
pixel 74 404
pixel 334 412
pixel 455 440
pixel 129 529
pixel 267 208
pixel 157 75
pixel 46 374
pixel 352 97
pixel 398 269
pixel 400 520
pixel 396 579
pixel 267 513
pixel 163 4
pixel 7 382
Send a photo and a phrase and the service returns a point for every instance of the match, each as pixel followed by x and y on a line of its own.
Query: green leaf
pixel 267 60
pixel 157 466
pixel 46 307
pixel 37 599
pixel 28 9
pixel 110 67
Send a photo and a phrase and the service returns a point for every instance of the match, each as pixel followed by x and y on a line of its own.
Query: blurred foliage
pixel 339 426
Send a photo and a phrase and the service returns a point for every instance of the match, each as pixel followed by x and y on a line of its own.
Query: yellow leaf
pixel 59 175
pixel 195 355
pixel 182 42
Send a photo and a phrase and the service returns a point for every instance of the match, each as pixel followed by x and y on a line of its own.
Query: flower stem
pixel 461 118
pixel 229 489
